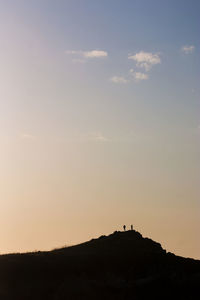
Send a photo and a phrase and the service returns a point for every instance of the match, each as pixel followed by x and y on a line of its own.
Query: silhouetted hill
pixel 123 265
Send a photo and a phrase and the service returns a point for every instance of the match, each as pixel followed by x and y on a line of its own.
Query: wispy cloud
pixel 188 49
pixel 27 136
pixel 98 137
pixel 131 77
pixel 95 54
pixel 145 59
pixel 140 76
pixel 119 79
pixel 89 137
pixel 72 52
pixel 82 56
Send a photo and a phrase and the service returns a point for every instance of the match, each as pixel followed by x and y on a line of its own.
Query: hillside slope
pixel 123 265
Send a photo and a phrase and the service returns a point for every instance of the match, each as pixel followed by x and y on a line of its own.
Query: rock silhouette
pixel 123 265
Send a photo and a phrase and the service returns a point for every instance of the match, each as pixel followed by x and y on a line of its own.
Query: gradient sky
pixel 99 122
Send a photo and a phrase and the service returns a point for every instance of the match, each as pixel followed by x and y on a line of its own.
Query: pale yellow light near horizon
pixel 56 194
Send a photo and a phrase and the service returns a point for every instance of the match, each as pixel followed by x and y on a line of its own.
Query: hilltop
pixel 123 265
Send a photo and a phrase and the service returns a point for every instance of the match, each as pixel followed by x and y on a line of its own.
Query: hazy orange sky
pixel 99 122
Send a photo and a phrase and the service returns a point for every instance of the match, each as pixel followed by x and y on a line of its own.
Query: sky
pixel 99 122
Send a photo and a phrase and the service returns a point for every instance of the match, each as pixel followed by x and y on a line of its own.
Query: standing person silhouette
pixel 131 227
pixel 124 227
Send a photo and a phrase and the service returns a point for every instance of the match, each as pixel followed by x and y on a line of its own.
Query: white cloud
pixel 119 79
pixel 145 59
pixel 140 76
pixel 188 49
pixel 82 56
pixel 95 54
pixel 132 76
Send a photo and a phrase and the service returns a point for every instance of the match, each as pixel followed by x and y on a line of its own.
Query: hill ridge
pixel 122 265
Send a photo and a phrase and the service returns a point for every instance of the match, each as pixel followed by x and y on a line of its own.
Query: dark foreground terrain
pixel 123 265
